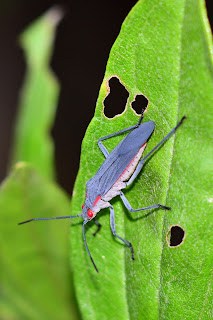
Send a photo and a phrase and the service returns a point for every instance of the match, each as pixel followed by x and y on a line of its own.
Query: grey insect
pixel 118 171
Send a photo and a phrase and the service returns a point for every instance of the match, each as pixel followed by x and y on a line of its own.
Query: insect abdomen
pixel 126 174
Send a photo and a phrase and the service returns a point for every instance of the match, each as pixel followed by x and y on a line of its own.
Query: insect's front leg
pixel 85 242
pixel 129 207
pixel 98 227
pixel 112 224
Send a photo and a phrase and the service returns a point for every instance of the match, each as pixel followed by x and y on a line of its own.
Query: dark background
pixel 84 39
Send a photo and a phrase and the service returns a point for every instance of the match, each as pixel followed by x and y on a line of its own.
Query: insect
pixel 118 171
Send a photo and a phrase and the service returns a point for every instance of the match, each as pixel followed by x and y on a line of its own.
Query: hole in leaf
pixel 115 102
pixel 175 236
pixel 140 104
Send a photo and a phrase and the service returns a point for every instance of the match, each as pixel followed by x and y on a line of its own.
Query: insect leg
pixel 141 163
pixel 112 224
pixel 129 207
pixel 85 242
pixel 98 225
pixel 103 148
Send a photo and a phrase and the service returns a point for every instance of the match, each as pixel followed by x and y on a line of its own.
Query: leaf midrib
pixel 170 167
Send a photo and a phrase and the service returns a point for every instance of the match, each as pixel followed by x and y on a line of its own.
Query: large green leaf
pixel 34 262
pixel 39 96
pixel 162 52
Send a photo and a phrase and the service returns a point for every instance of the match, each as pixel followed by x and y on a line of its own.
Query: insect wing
pixel 117 161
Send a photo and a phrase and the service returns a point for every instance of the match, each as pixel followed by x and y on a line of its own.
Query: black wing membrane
pixel 117 161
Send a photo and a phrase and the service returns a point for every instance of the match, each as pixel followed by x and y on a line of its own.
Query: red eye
pixel 90 213
pixel 82 206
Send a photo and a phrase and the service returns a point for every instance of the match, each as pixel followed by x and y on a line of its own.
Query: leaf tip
pixel 55 14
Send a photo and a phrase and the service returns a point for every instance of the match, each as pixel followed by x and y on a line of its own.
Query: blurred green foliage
pixel 39 97
pixel 35 277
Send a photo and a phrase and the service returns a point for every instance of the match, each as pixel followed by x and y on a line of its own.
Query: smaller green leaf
pixel 38 97
pixel 34 264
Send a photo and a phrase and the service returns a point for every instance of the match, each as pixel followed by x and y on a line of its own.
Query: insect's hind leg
pixel 141 163
pixel 103 148
pixel 129 207
pixel 112 224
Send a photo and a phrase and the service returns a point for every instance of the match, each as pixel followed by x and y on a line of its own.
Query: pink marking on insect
pixel 82 206
pixel 96 200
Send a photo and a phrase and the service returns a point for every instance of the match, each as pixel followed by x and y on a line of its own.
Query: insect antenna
pixel 85 242
pixel 35 219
